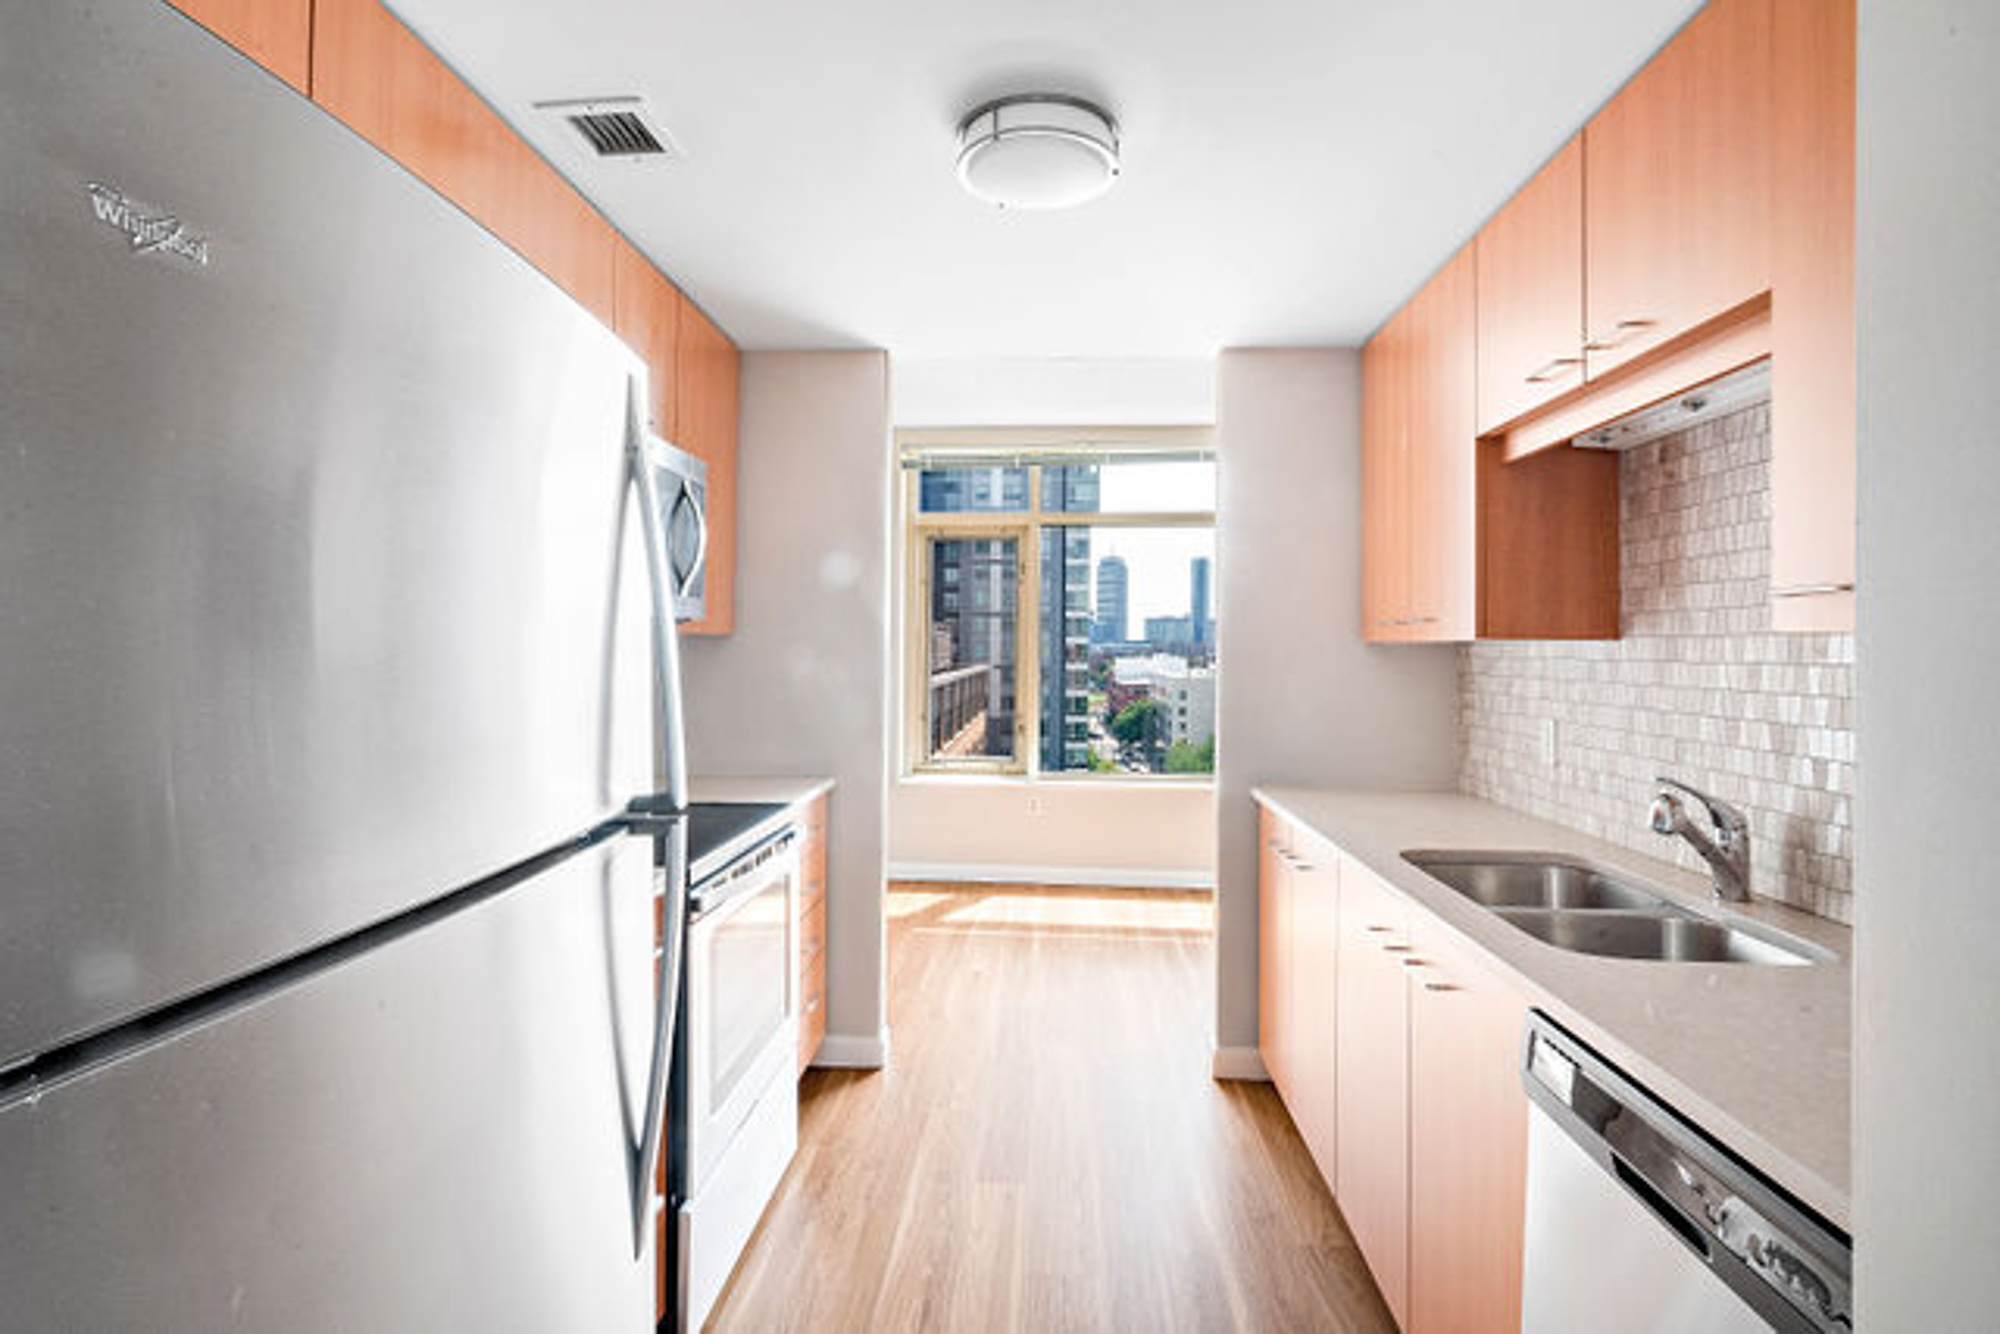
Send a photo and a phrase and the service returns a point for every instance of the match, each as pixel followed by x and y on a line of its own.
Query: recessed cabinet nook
pixel 356 60
pixel 1701 222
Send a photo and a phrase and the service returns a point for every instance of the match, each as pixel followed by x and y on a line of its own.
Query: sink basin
pixel 1531 880
pixel 1577 907
pixel 1669 936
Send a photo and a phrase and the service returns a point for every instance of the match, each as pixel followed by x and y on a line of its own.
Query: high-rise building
pixel 1201 627
pixel 1112 605
pixel 1065 630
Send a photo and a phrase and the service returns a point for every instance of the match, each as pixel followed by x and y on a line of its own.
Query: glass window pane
pixel 980 490
pixel 1127 650
pixel 1176 487
pixel 974 592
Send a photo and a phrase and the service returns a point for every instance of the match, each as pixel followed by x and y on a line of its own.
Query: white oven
pixel 736 1090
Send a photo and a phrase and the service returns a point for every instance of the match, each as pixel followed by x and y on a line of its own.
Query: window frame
pixel 1033 449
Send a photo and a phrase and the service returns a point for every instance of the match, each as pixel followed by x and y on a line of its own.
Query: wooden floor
pixel 1048 1151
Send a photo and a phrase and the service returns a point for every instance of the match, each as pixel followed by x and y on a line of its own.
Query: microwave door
pixel 687 542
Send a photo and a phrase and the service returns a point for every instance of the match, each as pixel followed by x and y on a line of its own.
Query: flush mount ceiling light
pixel 1037 150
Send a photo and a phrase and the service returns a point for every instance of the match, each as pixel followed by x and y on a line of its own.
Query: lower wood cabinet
pixel 812 931
pixel 1372 1064
pixel 1468 1140
pixel 1397 1051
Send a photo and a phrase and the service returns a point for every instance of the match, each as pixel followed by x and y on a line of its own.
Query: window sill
pixel 1122 782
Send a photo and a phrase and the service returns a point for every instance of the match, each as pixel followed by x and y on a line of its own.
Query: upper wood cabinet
pixel 1442 481
pixel 1530 307
pixel 1385 480
pixel 386 85
pixel 1677 187
pixel 648 318
pixel 707 376
pixel 277 34
pixel 1457 543
pixel 1812 316
pixel 1417 466
pixel 1468 1140
pixel 1372 1079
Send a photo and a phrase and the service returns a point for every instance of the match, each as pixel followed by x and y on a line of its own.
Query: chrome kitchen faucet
pixel 1727 853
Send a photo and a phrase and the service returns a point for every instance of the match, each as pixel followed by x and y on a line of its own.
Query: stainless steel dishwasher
pixel 1639 1221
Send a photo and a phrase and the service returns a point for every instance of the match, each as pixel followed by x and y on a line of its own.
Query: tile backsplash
pixel 1699 687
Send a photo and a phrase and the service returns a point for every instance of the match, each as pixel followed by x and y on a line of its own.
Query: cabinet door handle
pixel 1441 986
pixel 1809 590
pixel 1381 929
pixel 1621 333
pixel 1554 368
pixel 1414 962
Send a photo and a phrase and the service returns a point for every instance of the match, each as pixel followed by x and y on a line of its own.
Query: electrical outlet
pixel 1035 805
pixel 1551 754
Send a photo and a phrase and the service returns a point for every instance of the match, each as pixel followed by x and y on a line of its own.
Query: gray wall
pixel 1927 1056
pixel 1301 698
pixel 802 686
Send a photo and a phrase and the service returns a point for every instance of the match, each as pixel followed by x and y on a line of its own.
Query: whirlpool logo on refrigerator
pixel 149 231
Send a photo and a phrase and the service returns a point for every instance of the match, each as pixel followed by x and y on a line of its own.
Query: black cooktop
pixel 711 825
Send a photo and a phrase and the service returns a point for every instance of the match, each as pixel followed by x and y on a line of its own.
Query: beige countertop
pixel 790 789
pixel 1756 1055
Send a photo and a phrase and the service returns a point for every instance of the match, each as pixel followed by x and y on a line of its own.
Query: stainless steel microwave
pixel 680 481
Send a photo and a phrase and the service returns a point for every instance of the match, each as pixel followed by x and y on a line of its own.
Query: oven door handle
pixel 671 833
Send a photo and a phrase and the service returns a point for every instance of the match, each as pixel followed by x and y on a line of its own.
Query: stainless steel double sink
pixel 1578 907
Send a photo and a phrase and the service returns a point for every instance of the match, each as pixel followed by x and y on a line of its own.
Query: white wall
pixel 1072 831
pixel 1927 1056
pixel 802 686
pixel 1054 391
pixel 1068 831
pixel 1302 698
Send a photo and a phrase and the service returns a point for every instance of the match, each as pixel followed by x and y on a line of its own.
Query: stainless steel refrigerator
pixel 329 674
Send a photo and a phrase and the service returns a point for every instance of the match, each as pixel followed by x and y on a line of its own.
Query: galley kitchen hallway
pixel 1048 1151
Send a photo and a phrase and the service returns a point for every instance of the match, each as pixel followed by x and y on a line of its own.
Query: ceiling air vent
pixel 613 127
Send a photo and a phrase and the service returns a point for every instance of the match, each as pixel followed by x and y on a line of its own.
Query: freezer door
pixel 436 1135
pixel 312 505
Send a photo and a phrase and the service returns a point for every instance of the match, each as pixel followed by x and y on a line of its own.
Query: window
pixel 1061 605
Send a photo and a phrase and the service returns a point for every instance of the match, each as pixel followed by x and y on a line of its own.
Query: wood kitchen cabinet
pixel 1314 998
pixel 1297 917
pixel 1812 316
pixel 277 34
pixel 1530 285
pixel 1372 1079
pixel 386 85
pixel 812 930
pixel 1677 187
pixel 1274 953
pixel 707 374
pixel 648 317
pixel 1468 1139
pixel 1417 467
pixel 1457 542
pixel 1385 455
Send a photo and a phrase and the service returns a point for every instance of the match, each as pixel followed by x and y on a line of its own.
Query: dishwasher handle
pixel 1794 1268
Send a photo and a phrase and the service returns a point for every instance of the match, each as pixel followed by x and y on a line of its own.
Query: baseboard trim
pixel 1080 876
pixel 1238 1063
pixel 848 1051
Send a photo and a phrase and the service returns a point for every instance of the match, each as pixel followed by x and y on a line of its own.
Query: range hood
pixel 1719 397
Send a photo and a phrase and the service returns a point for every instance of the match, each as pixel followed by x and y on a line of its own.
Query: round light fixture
pixel 1038 150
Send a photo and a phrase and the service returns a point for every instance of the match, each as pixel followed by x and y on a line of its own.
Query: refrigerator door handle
pixel 643 820
pixel 700 561
pixel 671 738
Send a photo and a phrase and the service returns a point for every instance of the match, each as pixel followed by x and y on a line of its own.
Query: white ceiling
pixel 1293 168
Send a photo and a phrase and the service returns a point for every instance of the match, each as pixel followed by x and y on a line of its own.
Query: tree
pixel 1137 723
pixel 1183 758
